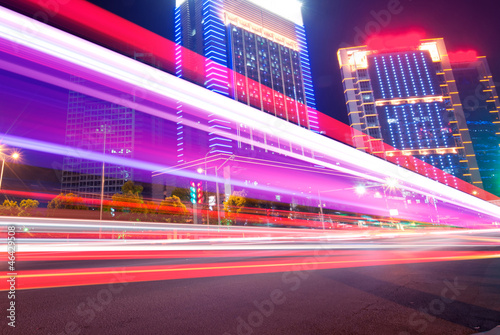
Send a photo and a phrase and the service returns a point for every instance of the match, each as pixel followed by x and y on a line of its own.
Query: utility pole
pixel 14 156
pixel 216 169
pixel 321 210
pixel 1 174
pixel 104 129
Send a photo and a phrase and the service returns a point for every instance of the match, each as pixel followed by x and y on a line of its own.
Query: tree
pixel 29 203
pixel 9 203
pixel 67 201
pixel 131 203
pixel 181 193
pixel 174 207
pixel 130 187
pixel 25 208
pixel 10 208
pixel 233 206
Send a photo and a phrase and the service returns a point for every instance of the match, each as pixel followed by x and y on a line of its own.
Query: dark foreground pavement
pixel 452 297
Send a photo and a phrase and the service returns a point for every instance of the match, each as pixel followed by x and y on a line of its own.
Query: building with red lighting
pixel 252 51
pixel 255 52
pixel 481 108
pixel 401 91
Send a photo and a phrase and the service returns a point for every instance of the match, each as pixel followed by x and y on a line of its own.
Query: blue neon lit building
pixel 406 97
pixel 254 51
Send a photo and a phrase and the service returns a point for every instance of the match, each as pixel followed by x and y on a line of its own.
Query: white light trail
pixel 73 50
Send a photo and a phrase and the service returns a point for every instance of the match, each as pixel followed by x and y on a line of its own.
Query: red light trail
pixel 36 279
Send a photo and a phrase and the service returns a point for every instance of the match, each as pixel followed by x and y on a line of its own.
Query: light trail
pixel 37 279
pixel 36 234
pixel 60 50
pixel 112 31
pixel 245 250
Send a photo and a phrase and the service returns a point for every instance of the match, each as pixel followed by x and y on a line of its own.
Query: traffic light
pixel 196 192
pixel 193 193
pixel 199 192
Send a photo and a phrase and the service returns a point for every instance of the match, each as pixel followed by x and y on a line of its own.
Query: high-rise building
pixel 481 107
pixel 400 91
pixel 105 127
pixel 93 125
pixel 253 51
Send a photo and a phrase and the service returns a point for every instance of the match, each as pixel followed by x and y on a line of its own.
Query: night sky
pixel 331 24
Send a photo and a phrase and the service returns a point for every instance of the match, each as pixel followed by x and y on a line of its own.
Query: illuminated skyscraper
pixel 254 51
pixel 481 107
pixel 96 125
pixel 104 127
pixel 400 90
pixel 110 128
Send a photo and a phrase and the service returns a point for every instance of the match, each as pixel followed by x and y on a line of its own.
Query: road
pixel 424 284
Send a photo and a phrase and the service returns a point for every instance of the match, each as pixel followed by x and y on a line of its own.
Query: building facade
pixel 400 91
pixel 253 51
pixel 95 125
pixel 481 107
pixel 98 126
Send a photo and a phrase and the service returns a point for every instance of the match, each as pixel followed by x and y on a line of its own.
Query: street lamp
pixel 391 183
pixel 360 190
pixel 321 210
pixel 105 129
pixel 200 171
pixel 216 169
pixel 14 156
pixel 217 184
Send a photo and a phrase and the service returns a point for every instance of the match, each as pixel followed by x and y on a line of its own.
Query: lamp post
pixel 14 156
pixel 105 129
pixel 217 168
pixel 217 199
pixel 1 174
pixel 200 170
pixel 206 183
pixel 230 158
pixel 321 210
pixel 360 190
pixel 391 184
